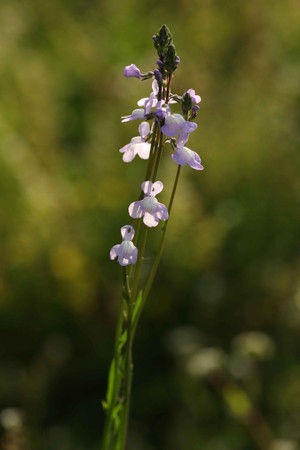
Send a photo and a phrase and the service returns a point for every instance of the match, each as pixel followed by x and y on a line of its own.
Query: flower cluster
pixel 159 125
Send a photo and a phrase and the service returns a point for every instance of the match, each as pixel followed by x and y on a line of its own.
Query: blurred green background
pixel 220 338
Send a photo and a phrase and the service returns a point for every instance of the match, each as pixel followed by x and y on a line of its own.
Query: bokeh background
pixel 217 355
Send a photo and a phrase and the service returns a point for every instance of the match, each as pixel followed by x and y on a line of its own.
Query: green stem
pixel 114 436
pixel 152 155
pixel 142 245
pixel 157 157
pixel 109 432
pixel 128 374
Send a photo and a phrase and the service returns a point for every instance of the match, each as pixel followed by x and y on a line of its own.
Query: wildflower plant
pixel 162 133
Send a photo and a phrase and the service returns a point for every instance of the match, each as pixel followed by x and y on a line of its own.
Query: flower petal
pixel 184 156
pixel 127 253
pixel 162 212
pixel 129 154
pixel 150 220
pixel 142 149
pixel 189 127
pixel 173 125
pixel 152 189
pixel 155 87
pixel 144 129
pixel 135 115
pixel 125 148
pixel 127 232
pixel 114 251
pixel 132 71
pixel 146 187
pixel 136 210
pixel 195 98
pixel 157 187
pixel 141 101
pixel 150 103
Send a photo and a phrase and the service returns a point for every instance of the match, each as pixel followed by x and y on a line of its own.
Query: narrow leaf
pixel 110 385
pixel 137 306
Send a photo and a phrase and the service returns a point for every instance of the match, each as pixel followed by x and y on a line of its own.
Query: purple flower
pixel 186 157
pixel 161 110
pixel 151 101
pixel 126 252
pixel 138 145
pixel 149 208
pixel 185 133
pixel 176 125
pixel 195 98
pixel 136 114
pixel 132 71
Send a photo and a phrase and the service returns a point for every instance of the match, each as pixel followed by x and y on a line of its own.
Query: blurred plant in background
pixel 61 193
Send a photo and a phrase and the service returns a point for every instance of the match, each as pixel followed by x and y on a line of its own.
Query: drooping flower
pixel 184 133
pixel 138 145
pixel 132 71
pixel 149 207
pixel 176 125
pixel 187 157
pixel 136 114
pixel 126 252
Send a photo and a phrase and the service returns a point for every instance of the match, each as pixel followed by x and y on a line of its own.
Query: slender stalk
pixel 109 431
pixel 157 157
pixel 168 88
pixel 128 374
pixel 152 152
pixel 114 436
pixel 142 245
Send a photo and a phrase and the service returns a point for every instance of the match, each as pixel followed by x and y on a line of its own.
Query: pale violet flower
pixel 152 101
pixel 176 125
pixel 186 157
pixel 138 145
pixel 132 71
pixel 195 98
pixel 136 114
pixel 126 252
pixel 162 110
pixel 184 133
pixel 149 208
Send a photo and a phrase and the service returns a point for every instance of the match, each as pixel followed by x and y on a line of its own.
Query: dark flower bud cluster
pixel 168 60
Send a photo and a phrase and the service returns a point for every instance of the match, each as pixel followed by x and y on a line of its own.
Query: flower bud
pixel 132 71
